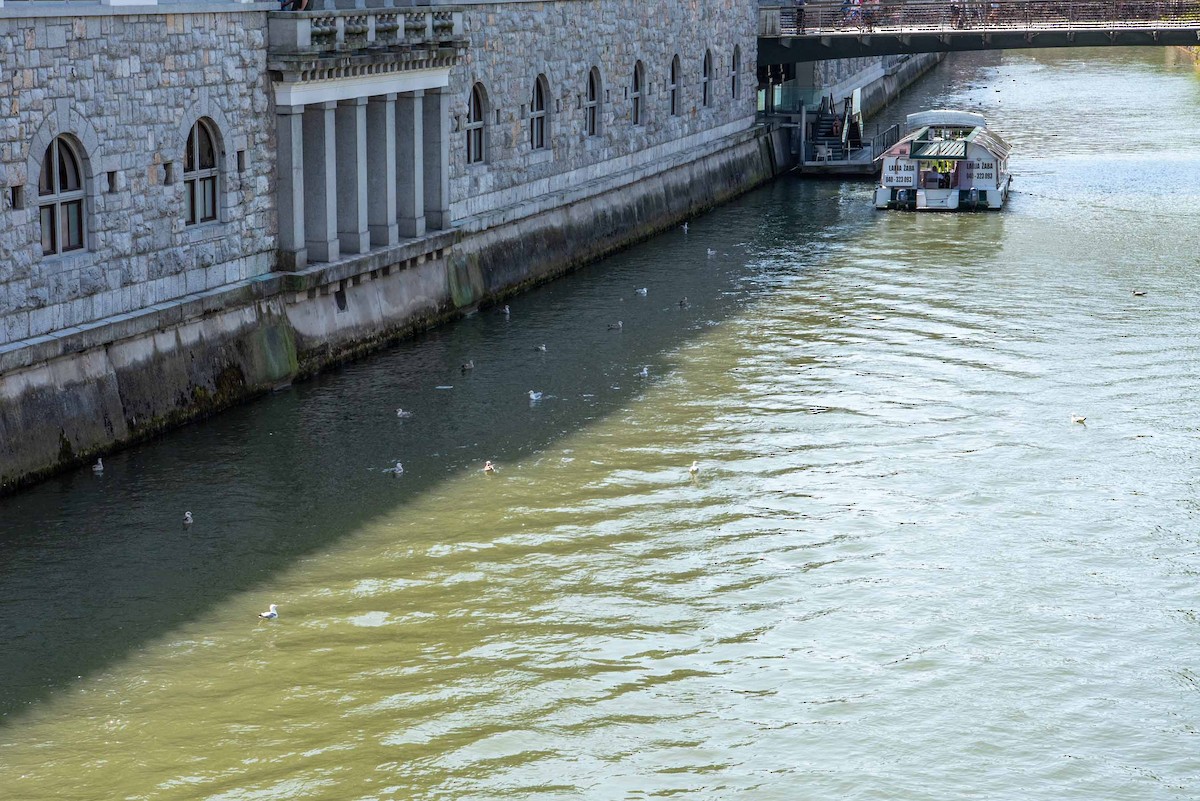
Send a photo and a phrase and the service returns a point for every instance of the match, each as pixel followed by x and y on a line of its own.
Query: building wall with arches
pixel 123 92
pixel 511 44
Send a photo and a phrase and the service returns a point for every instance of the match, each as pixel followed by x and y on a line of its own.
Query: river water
pixel 901 571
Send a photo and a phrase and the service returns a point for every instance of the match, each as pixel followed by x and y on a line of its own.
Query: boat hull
pixel 991 199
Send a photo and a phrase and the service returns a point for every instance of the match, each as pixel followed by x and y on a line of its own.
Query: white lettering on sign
pixel 899 172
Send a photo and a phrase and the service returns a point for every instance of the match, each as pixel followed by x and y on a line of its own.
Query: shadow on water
pixel 94 567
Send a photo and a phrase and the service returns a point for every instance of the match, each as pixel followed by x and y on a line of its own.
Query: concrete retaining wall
pixel 93 391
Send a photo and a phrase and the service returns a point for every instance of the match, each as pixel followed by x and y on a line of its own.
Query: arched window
pixel 537 114
pixel 706 79
pixel 200 174
pixel 61 198
pixel 673 85
pixel 734 69
pixel 635 94
pixel 591 106
pixel 474 127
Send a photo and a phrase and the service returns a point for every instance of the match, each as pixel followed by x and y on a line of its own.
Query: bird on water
pixel 468 365
pixel 1137 293
pixel 617 326
pixel 489 468
pixel 1078 418
pixel 641 291
pixel 397 470
pixel 684 227
pixel 98 467
pixel 644 372
pixel 695 468
pixel 402 413
pixel 541 347
pixel 187 518
pixel 270 614
pixel 535 396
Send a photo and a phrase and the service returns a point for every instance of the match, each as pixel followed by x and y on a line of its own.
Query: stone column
pixel 351 146
pixel 437 158
pixel 381 170
pixel 410 159
pixel 290 190
pixel 320 182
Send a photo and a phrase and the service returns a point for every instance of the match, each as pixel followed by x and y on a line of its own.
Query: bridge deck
pixel 835 29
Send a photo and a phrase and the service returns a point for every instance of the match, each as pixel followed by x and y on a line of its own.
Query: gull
pixel 187 518
pixel 535 396
pixel 684 227
pixel 644 372
pixel 98 467
pixel 711 253
pixel 505 309
pixel 402 413
pixel 270 614
pixel 617 326
pixel 683 303
pixel 1075 418
pixel 1137 293
pixel 489 468
pixel 695 468
pixel 397 470
pixel 541 347
pixel 641 291
pixel 468 365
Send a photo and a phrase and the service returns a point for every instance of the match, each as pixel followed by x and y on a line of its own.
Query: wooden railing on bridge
pixel 825 17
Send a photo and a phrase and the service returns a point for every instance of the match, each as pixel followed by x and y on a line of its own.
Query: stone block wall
pixel 125 89
pixel 511 44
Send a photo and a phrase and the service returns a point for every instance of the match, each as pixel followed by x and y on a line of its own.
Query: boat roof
pixel 945 118
pixel 927 146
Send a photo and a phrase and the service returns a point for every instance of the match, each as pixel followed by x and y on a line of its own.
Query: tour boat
pixel 947 161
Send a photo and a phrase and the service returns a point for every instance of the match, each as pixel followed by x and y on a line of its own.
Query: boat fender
pixel 902 196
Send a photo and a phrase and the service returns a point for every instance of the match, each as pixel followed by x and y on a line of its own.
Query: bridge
pixel 825 29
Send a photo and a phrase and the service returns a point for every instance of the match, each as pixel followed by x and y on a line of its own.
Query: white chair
pixel 822 153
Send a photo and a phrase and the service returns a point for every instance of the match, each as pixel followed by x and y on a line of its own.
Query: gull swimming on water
pixel 402 413
pixel 98 467
pixel 489 468
pixel 535 396
pixel 644 372
pixel 541 347
pixel 187 518
pixel 711 253
pixel 683 303
pixel 397 470
pixel 684 227
pixel 1076 418
pixel 695 468
pixel 270 614
pixel 641 291
pixel 468 365
pixel 617 326
pixel 505 309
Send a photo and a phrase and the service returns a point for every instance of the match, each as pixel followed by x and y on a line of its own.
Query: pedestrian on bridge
pixel 800 15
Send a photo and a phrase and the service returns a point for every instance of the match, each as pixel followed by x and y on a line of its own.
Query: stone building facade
pixel 665 78
pixel 118 96
pixel 200 201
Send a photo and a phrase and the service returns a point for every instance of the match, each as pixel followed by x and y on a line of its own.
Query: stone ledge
pixel 27 10
pixel 98 333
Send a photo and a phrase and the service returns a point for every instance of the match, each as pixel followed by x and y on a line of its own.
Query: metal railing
pixel 922 16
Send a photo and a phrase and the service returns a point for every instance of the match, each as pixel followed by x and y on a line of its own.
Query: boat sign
pixel 899 172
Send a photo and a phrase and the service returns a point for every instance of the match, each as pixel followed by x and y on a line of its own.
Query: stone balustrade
pixel 350 30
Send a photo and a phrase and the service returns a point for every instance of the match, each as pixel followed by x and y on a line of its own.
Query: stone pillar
pixel 381 170
pixel 410 163
pixel 320 182
pixel 290 189
pixel 436 114
pixel 351 146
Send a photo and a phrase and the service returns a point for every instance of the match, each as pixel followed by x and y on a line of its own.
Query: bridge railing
pixel 921 16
